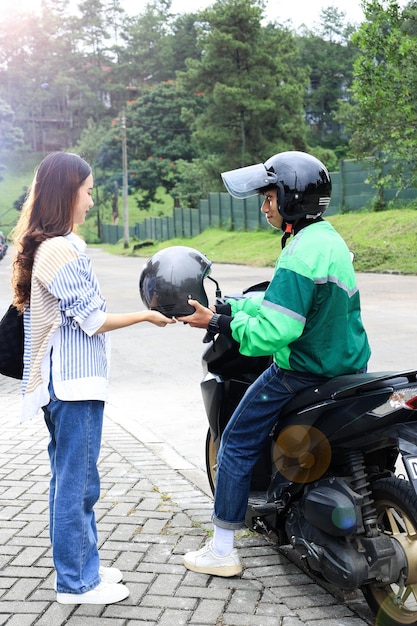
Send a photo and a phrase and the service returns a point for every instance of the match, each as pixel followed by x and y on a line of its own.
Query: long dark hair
pixel 47 212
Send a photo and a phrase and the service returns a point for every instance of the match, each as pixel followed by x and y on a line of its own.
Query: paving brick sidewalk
pixel 148 516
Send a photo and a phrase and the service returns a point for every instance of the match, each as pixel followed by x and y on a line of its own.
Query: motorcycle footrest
pixel 259 505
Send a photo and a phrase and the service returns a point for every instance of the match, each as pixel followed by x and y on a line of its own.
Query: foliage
pixel 327 156
pixel 328 53
pixel 18 204
pixel 146 46
pixel 11 136
pixel 38 85
pixel 192 183
pixel 157 138
pixel 383 116
pixel 210 90
pixel 59 70
pixel 253 98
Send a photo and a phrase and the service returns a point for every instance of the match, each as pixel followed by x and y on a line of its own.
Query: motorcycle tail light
pixel 412 403
pixel 400 398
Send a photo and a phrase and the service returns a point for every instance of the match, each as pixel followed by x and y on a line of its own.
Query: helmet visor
pixel 248 181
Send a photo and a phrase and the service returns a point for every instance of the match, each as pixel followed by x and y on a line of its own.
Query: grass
pixel 257 248
pixel 384 241
pixel 17 177
pixel 11 188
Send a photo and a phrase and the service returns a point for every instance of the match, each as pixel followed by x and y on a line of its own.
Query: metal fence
pixel 350 192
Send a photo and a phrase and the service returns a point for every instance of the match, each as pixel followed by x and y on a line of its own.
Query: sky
pixel 298 11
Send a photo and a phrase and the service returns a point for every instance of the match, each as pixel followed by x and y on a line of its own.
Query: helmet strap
pixel 286 235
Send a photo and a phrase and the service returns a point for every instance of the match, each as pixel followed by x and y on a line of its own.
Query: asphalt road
pixel 156 372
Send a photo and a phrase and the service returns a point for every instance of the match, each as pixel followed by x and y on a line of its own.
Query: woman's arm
pixel 121 320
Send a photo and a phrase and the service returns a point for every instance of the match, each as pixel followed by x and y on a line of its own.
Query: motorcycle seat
pixel 349 386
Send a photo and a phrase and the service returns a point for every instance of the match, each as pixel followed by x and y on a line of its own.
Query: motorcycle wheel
pixel 396 506
pixel 211 461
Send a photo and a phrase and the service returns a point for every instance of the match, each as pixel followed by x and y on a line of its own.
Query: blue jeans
pixel 245 436
pixel 74 445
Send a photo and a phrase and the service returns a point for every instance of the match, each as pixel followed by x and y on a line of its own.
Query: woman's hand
pixel 157 318
pixel 200 318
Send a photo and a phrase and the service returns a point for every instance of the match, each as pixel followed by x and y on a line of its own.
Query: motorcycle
pixel 326 485
pixel 3 250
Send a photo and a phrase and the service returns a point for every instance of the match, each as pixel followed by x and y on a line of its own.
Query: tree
pixel 204 92
pixel 146 54
pixel 383 117
pixel 56 69
pixel 183 41
pixel 35 74
pixel 252 87
pixel 157 137
pixel 99 89
pixel 328 53
pixel 11 136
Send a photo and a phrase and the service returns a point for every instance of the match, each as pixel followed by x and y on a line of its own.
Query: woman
pixel 66 366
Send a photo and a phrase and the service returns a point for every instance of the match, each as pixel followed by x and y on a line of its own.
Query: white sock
pixel 223 541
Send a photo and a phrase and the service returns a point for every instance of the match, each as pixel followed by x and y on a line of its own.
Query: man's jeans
pixel 245 437
pixel 75 437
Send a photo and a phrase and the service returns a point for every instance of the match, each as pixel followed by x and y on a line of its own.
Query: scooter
pixel 3 250
pixel 327 485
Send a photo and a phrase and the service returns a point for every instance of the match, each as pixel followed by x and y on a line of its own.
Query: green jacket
pixel 309 318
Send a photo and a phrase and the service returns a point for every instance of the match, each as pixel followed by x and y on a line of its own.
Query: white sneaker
pixel 110 574
pixel 205 561
pixel 107 575
pixel 104 593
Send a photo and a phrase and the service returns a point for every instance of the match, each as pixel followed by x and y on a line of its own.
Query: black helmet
pixel 302 181
pixel 171 277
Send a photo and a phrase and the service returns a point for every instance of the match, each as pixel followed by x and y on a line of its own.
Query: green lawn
pixel 385 241
pixel 17 179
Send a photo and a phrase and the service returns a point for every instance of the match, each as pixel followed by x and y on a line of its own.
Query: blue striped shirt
pixel 66 309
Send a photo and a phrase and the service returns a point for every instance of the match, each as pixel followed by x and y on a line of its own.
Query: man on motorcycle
pixel 309 319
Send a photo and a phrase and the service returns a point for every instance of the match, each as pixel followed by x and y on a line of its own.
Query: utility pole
pixel 124 167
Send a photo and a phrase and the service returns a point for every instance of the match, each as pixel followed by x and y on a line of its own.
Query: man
pixel 308 319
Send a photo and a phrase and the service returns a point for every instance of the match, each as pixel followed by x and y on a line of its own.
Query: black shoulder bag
pixel 11 343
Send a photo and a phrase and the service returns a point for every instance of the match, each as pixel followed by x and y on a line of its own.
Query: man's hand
pixel 200 318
